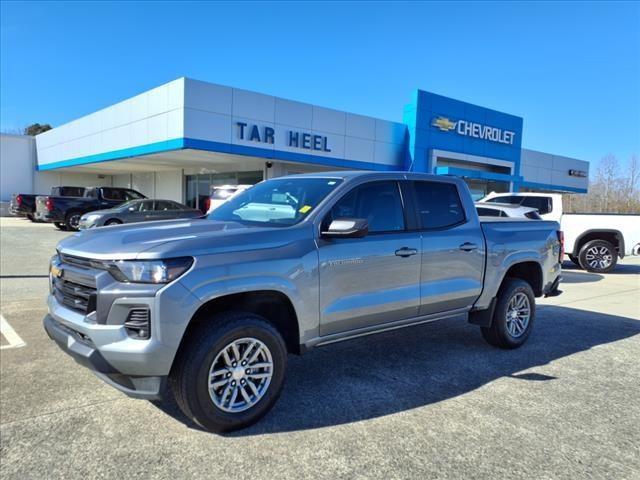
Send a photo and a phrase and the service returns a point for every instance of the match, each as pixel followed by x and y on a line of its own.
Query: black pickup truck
pixel 65 212
pixel 24 204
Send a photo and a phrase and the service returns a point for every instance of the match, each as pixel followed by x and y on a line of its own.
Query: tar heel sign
pixel 295 139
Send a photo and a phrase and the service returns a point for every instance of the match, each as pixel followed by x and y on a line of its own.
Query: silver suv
pixel 208 309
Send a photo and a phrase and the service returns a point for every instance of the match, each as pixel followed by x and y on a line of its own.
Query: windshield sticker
pixel 305 209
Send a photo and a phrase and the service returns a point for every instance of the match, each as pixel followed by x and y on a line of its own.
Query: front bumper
pixel 100 342
pixel 84 352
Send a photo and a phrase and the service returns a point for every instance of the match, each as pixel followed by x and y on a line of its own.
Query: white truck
pixel 593 241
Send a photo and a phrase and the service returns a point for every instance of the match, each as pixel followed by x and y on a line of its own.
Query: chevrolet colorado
pixel 208 309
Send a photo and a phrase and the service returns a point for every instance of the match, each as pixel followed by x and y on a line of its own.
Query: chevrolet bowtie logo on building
pixel 443 123
pixel 472 129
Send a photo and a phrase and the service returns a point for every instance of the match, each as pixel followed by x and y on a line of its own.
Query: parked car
pixel 144 210
pixel 65 212
pixel 24 204
pixel 506 210
pixel 213 306
pixel 221 194
pixel 594 241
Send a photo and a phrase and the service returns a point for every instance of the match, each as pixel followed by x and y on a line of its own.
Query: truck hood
pixel 171 238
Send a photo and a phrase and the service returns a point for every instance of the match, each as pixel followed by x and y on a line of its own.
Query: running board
pixel 384 327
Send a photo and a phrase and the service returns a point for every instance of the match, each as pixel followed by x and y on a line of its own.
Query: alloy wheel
pixel 599 257
pixel 518 315
pixel 240 375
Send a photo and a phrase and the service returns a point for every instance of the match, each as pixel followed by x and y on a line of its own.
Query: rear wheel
pixel 72 221
pixel 513 317
pixel 598 256
pixel 230 372
pixel 575 260
pixel 60 226
pixel 31 217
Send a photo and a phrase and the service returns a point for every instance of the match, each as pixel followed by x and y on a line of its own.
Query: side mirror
pixel 347 228
pixel 132 209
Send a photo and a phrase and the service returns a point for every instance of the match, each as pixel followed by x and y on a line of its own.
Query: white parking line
pixel 10 334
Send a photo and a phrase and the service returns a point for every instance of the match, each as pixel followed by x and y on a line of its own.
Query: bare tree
pixel 610 191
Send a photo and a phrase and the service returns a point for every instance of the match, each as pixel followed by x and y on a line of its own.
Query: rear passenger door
pixel 452 249
pixel 375 279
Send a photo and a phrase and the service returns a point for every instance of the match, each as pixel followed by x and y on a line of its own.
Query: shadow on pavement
pixel 621 268
pixel 409 368
pixel 577 276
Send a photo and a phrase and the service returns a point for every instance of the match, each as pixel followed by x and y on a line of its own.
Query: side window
pixel 378 202
pixel 146 206
pixel 488 212
pixel 113 194
pixel 438 205
pixel 542 204
pixel 164 205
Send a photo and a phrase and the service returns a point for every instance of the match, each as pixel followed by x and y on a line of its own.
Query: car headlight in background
pixel 90 219
pixel 150 271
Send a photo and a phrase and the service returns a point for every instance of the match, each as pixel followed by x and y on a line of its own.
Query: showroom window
pixel 199 186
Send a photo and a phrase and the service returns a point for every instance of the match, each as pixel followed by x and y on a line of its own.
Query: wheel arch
pixel 610 235
pixel 530 271
pixel 276 307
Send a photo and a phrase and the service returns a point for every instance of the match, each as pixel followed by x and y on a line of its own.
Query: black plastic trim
pixel 80 349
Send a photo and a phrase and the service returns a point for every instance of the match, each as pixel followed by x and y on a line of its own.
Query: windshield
pixel 125 206
pixel 278 202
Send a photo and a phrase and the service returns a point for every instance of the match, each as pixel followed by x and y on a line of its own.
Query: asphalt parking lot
pixel 428 402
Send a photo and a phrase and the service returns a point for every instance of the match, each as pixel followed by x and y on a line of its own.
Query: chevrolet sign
pixel 475 130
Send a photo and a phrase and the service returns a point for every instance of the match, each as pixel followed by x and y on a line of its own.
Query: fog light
pixel 138 323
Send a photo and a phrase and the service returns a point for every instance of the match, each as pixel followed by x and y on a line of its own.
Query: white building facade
pixel 178 140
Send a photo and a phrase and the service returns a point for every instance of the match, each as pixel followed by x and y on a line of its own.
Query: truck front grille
pixel 80 298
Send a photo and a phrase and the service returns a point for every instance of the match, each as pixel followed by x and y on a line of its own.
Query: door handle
pixel 406 252
pixel 468 246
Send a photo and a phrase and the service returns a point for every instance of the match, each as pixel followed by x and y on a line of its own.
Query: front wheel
pixel 60 226
pixel 513 317
pixel 598 256
pixel 113 221
pixel 230 371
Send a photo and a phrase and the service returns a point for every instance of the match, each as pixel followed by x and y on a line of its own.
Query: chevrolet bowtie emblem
pixel 443 124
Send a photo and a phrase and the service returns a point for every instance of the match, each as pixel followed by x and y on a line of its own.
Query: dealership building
pixel 178 140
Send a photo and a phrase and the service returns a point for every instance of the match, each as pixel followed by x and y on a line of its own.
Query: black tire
pixel 72 221
pixel 498 333
pixel 598 256
pixel 60 226
pixel 113 221
pixel 31 217
pixel 189 378
pixel 574 260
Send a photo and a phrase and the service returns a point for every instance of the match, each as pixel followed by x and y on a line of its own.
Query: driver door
pixel 375 279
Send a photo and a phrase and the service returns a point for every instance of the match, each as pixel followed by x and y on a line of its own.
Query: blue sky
pixel 572 70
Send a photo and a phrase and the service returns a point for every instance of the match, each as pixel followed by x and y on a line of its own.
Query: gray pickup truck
pixel 208 309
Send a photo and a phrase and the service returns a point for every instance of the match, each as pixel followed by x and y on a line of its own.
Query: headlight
pixel 150 271
pixel 90 218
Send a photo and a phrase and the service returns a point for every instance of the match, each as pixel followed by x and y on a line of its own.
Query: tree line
pixel 614 189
